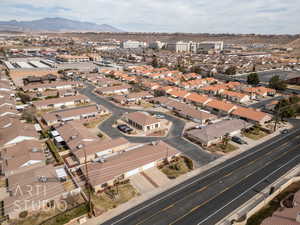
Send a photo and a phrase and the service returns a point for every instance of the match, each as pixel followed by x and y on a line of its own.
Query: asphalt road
pixel 174 137
pixel 208 197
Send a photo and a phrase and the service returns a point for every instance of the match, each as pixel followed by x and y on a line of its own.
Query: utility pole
pixel 88 183
pixel 277 116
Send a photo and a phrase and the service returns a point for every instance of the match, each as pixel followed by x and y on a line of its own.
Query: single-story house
pixel 55 85
pixel 251 115
pixel 77 113
pixel 142 121
pixel 121 89
pixel 220 107
pixel 235 96
pixel 214 133
pixel 22 156
pixel 128 163
pixel 61 102
pixel 13 131
pixel 33 190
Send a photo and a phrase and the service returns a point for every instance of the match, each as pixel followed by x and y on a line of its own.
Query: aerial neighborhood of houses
pixel 81 132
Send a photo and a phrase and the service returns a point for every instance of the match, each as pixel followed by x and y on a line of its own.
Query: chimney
pixel 298 217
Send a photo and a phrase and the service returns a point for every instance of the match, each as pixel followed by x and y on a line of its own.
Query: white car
pixel 158 116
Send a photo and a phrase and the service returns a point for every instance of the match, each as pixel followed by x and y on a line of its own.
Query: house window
pixel 50 204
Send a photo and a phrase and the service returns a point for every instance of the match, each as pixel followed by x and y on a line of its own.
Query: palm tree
pixel 225 141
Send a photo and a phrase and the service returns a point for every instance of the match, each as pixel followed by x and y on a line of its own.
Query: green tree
pixel 253 79
pixel 285 109
pixel 276 83
pixel 230 70
pixel 225 141
pixel 155 61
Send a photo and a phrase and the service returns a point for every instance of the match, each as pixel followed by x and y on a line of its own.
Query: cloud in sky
pixel 198 16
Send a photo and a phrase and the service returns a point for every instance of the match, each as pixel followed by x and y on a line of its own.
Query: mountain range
pixel 56 24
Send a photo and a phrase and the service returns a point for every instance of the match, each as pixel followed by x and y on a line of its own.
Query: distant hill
pixel 56 24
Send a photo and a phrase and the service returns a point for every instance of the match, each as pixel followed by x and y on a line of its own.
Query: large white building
pixel 179 46
pixel 210 45
pixel 195 47
pixel 156 45
pixel 133 44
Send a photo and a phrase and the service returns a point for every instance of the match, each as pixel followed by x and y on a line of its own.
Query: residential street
pixel 173 138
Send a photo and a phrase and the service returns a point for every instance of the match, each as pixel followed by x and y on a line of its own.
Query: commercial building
pixel 133 44
pixel 178 46
pixel 73 58
pixel 206 46
pixel 156 45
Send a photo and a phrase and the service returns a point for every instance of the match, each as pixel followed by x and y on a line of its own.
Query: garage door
pixel 148 166
pixel 132 172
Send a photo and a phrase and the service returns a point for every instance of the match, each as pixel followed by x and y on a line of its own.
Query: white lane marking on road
pixel 201 178
pixel 266 177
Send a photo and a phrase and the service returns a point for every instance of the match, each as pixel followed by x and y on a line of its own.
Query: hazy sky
pixel 198 16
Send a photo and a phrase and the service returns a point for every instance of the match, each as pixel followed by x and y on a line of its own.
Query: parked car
pixel 238 140
pixel 124 128
pixel 159 116
pixel 285 131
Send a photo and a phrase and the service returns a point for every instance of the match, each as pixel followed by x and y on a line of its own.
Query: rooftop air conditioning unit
pixel 73 137
pixel 34 150
pixel 79 146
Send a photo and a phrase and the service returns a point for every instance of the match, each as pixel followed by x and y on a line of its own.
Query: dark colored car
pixel 285 131
pixel 238 140
pixel 124 128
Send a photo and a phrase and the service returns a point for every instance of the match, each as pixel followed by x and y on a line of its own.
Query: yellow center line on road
pixel 204 188
pixel 168 207
pixel 186 214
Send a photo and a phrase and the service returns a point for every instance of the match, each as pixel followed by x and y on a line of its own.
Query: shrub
pixel 23 214
pixel 189 163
